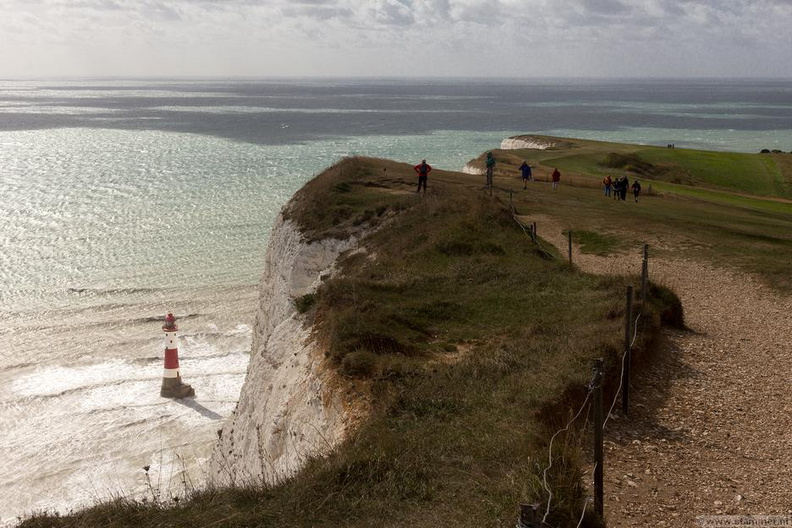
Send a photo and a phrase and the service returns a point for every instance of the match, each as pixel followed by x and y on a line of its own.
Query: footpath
pixel 710 425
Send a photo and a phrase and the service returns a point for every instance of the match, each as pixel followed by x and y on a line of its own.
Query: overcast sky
pixel 468 38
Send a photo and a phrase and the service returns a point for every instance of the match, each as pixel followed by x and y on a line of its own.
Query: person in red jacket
pixel 423 169
pixel 556 178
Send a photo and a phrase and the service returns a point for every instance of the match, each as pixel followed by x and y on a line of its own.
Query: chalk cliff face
pixel 290 408
pixel 527 142
pixel 472 169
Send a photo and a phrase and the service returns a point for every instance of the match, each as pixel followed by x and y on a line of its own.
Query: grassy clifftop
pixel 471 345
pixel 731 209
pixel 679 171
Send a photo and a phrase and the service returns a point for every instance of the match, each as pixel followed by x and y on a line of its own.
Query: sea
pixel 122 200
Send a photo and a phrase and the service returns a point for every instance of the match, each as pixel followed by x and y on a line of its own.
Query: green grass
pixel 596 243
pixel 713 220
pixel 768 175
pixel 748 234
pixel 745 173
pixel 725 198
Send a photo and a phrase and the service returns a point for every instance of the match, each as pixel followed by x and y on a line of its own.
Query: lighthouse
pixel 172 386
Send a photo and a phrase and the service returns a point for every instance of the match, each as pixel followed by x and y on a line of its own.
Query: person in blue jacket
pixel 525 169
pixel 636 188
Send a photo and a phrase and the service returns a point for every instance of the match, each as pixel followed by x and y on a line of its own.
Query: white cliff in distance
pixel 527 142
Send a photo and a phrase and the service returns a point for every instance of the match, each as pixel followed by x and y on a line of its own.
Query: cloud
pixel 390 13
pixel 399 36
pixel 316 11
pixel 605 7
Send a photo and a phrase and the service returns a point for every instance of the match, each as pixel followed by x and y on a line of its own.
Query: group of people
pixel 618 188
pixel 527 176
pixel 423 169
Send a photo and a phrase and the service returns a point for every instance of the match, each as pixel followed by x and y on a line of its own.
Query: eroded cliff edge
pixel 290 408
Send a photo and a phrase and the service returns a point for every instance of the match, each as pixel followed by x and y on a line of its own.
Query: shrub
pixel 671 313
pixel 456 248
pixel 305 302
pixel 630 162
pixel 359 364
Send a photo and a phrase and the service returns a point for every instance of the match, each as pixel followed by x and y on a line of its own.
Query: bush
pixel 359 364
pixel 672 313
pixel 305 303
pixel 630 162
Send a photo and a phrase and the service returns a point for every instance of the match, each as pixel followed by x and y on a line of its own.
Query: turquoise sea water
pixel 124 200
pixel 103 231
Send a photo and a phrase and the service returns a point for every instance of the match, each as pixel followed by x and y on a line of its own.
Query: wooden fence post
pixel 529 516
pixel 598 425
pixel 644 275
pixel 627 350
pixel 570 246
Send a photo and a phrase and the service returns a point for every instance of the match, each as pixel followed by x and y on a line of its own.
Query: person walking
pixel 623 190
pixel 636 188
pixel 607 182
pixel 490 164
pixel 423 169
pixel 526 173
pixel 556 177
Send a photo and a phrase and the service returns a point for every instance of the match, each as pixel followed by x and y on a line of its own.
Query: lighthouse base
pixel 174 388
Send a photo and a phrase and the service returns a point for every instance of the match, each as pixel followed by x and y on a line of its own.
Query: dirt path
pixel 710 426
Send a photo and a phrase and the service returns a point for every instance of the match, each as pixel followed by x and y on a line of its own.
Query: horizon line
pixel 417 78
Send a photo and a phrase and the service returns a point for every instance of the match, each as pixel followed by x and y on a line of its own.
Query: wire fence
pixel 530 232
pixel 591 387
pixel 621 390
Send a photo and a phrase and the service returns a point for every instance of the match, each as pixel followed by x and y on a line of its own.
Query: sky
pixel 396 38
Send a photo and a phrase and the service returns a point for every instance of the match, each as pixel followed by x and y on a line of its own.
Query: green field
pixel 764 175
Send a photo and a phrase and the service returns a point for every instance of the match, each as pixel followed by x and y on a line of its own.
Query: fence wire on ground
pixel 550 448
pixel 604 423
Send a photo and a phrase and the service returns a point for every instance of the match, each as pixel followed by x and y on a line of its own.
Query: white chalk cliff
pixel 527 142
pixel 290 408
pixel 472 169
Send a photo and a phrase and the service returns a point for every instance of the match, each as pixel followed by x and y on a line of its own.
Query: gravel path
pixel 710 425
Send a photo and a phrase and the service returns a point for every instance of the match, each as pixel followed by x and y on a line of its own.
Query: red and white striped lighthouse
pixel 172 386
